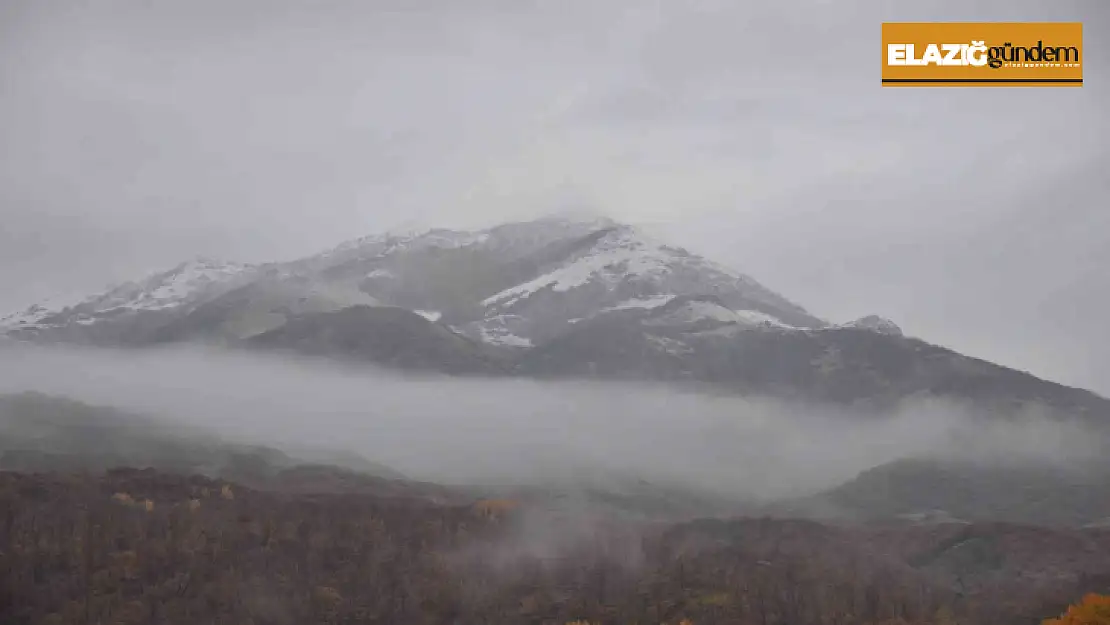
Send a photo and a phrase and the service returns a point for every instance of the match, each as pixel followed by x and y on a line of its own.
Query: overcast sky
pixel 137 133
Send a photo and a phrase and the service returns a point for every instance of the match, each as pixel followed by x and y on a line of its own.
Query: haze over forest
pixel 506 431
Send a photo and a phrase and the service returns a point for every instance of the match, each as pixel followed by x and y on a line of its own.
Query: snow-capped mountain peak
pixel 394 240
pixel 875 323
pixel 517 284
pixel 617 254
pixel 623 253
pixel 169 288
pixel 624 262
pixel 549 297
pixel 162 290
pixel 517 237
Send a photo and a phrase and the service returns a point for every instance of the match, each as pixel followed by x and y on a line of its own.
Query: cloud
pixel 528 432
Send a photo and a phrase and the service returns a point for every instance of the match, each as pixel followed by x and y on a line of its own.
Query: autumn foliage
pixel 141 547
pixel 1093 610
pixel 494 508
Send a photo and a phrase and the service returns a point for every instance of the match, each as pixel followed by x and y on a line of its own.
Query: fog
pixel 513 431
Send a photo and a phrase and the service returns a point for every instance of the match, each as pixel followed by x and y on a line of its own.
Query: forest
pixel 132 546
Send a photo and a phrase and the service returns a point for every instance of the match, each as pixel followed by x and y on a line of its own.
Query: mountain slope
pixel 264 304
pixel 515 285
pixel 388 336
pixel 619 268
pixel 551 297
pixel 701 340
pixel 1038 493
pixel 127 312
pixel 45 433
pixel 533 278
pixel 522 284
pixel 170 289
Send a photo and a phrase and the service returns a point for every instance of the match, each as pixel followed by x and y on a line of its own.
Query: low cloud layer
pixel 520 431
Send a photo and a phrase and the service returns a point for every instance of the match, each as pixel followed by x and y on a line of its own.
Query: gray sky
pixel 135 134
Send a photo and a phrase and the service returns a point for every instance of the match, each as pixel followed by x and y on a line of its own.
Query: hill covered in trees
pixel 110 517
pixel 140 546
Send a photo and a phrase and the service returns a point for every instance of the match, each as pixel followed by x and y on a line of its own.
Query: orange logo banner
pixel 987 54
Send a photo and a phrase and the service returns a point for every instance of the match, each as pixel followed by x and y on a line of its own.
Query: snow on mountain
pixel 171 288
pixel 384 244
pixel 623 255
pixel 414 240
pixel 695 311
pixel 669 345
pixel 758 318
pixel 875 323
pixel 519 284
pixel 516 240
pixel 647 303
pixel 505 243
pixel 560 297
pixel 516 284
pixel 619 269
pixel 34 314
pixel 159 291
pixel 498 331
pixel 619 255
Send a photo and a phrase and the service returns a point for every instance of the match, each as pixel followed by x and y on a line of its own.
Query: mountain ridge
pixel 550 297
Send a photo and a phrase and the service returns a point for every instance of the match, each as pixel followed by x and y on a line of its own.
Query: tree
pixel 1093 610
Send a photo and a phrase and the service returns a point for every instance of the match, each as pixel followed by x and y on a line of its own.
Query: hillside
pixel 218 532
pixel 388 336
pixel 140 546
pixel 701 340
pixel 41 433
pixel 1069 494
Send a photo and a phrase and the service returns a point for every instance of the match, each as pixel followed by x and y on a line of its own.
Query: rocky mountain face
pixel 701 340
pixel 552 298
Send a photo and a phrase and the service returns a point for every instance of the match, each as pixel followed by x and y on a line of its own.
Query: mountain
pixel 127 312
pixel 554 297
pixel 931 490
pixel 162 291
pixel 514 284
pixel 616 268
pixel 384 335
pixel 702 340
pixel 50 434
pixel 252 307
pixel 43 433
